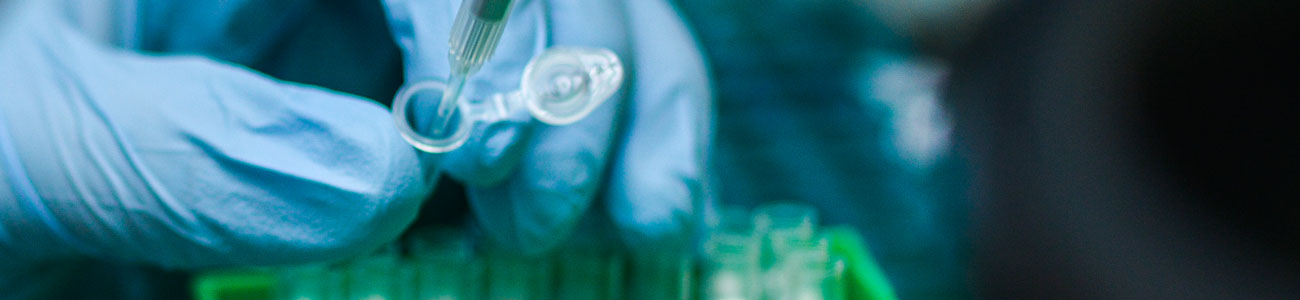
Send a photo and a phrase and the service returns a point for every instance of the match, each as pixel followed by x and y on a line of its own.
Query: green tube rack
pixel 794 264
pixel 863 279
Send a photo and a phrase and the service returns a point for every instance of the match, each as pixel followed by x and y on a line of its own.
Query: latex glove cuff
pixel 559 87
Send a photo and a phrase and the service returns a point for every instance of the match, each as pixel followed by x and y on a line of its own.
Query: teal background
pixel 795 122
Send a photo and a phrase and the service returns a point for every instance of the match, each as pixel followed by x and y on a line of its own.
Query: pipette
pixel 474 38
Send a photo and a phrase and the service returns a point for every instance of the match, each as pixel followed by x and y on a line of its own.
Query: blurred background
pixel 1024 149
pixel 827 102
pixel 986 148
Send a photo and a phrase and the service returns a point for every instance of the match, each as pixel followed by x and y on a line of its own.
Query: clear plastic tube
pixel 732 270
pixel 788 229
pixel 665 276
pixel 783 224
pixel 514 277
pixel 584 275
pixel 443 263
pixel 797 220
pixel 307 282
pixel 804 272
pixel 376 277
pixel 559 87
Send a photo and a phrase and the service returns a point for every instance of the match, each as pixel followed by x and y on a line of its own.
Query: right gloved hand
pixel 642 152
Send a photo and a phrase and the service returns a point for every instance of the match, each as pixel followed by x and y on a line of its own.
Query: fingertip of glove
pixel 492 155
pixel 536 210
pixel 655 233
pixel 514 226
pixel 652 213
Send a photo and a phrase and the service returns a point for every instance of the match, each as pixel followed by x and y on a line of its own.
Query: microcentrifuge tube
pixel 786 228
pixel 585 275
pixel 307 282
pixel 516 278
pixel 374 277
pixel 443 265
pixel 806 272
pixel 663 277
pixel 560 86
pixel 781 224
pixel 731 266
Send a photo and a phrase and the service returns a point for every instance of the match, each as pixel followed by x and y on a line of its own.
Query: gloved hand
pixel 183 161
pixel 642 151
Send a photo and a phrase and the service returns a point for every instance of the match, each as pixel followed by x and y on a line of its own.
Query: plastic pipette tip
pixel 448 103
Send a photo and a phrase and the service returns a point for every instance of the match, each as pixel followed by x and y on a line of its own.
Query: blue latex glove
pixel 642 151
pixel 183 161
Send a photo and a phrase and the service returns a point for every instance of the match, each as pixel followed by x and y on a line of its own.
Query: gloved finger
pixel 238 31
pixel 658 174
pixel 562 166
pixel 422 30
pixel 185 162
pixel 341 45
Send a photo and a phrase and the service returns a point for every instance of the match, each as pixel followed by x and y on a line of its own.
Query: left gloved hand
pixel 121 154
pixel 643 151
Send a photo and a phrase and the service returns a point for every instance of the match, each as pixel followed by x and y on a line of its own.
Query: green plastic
pixel 862 276
pixel 864 280
pixel 242 284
